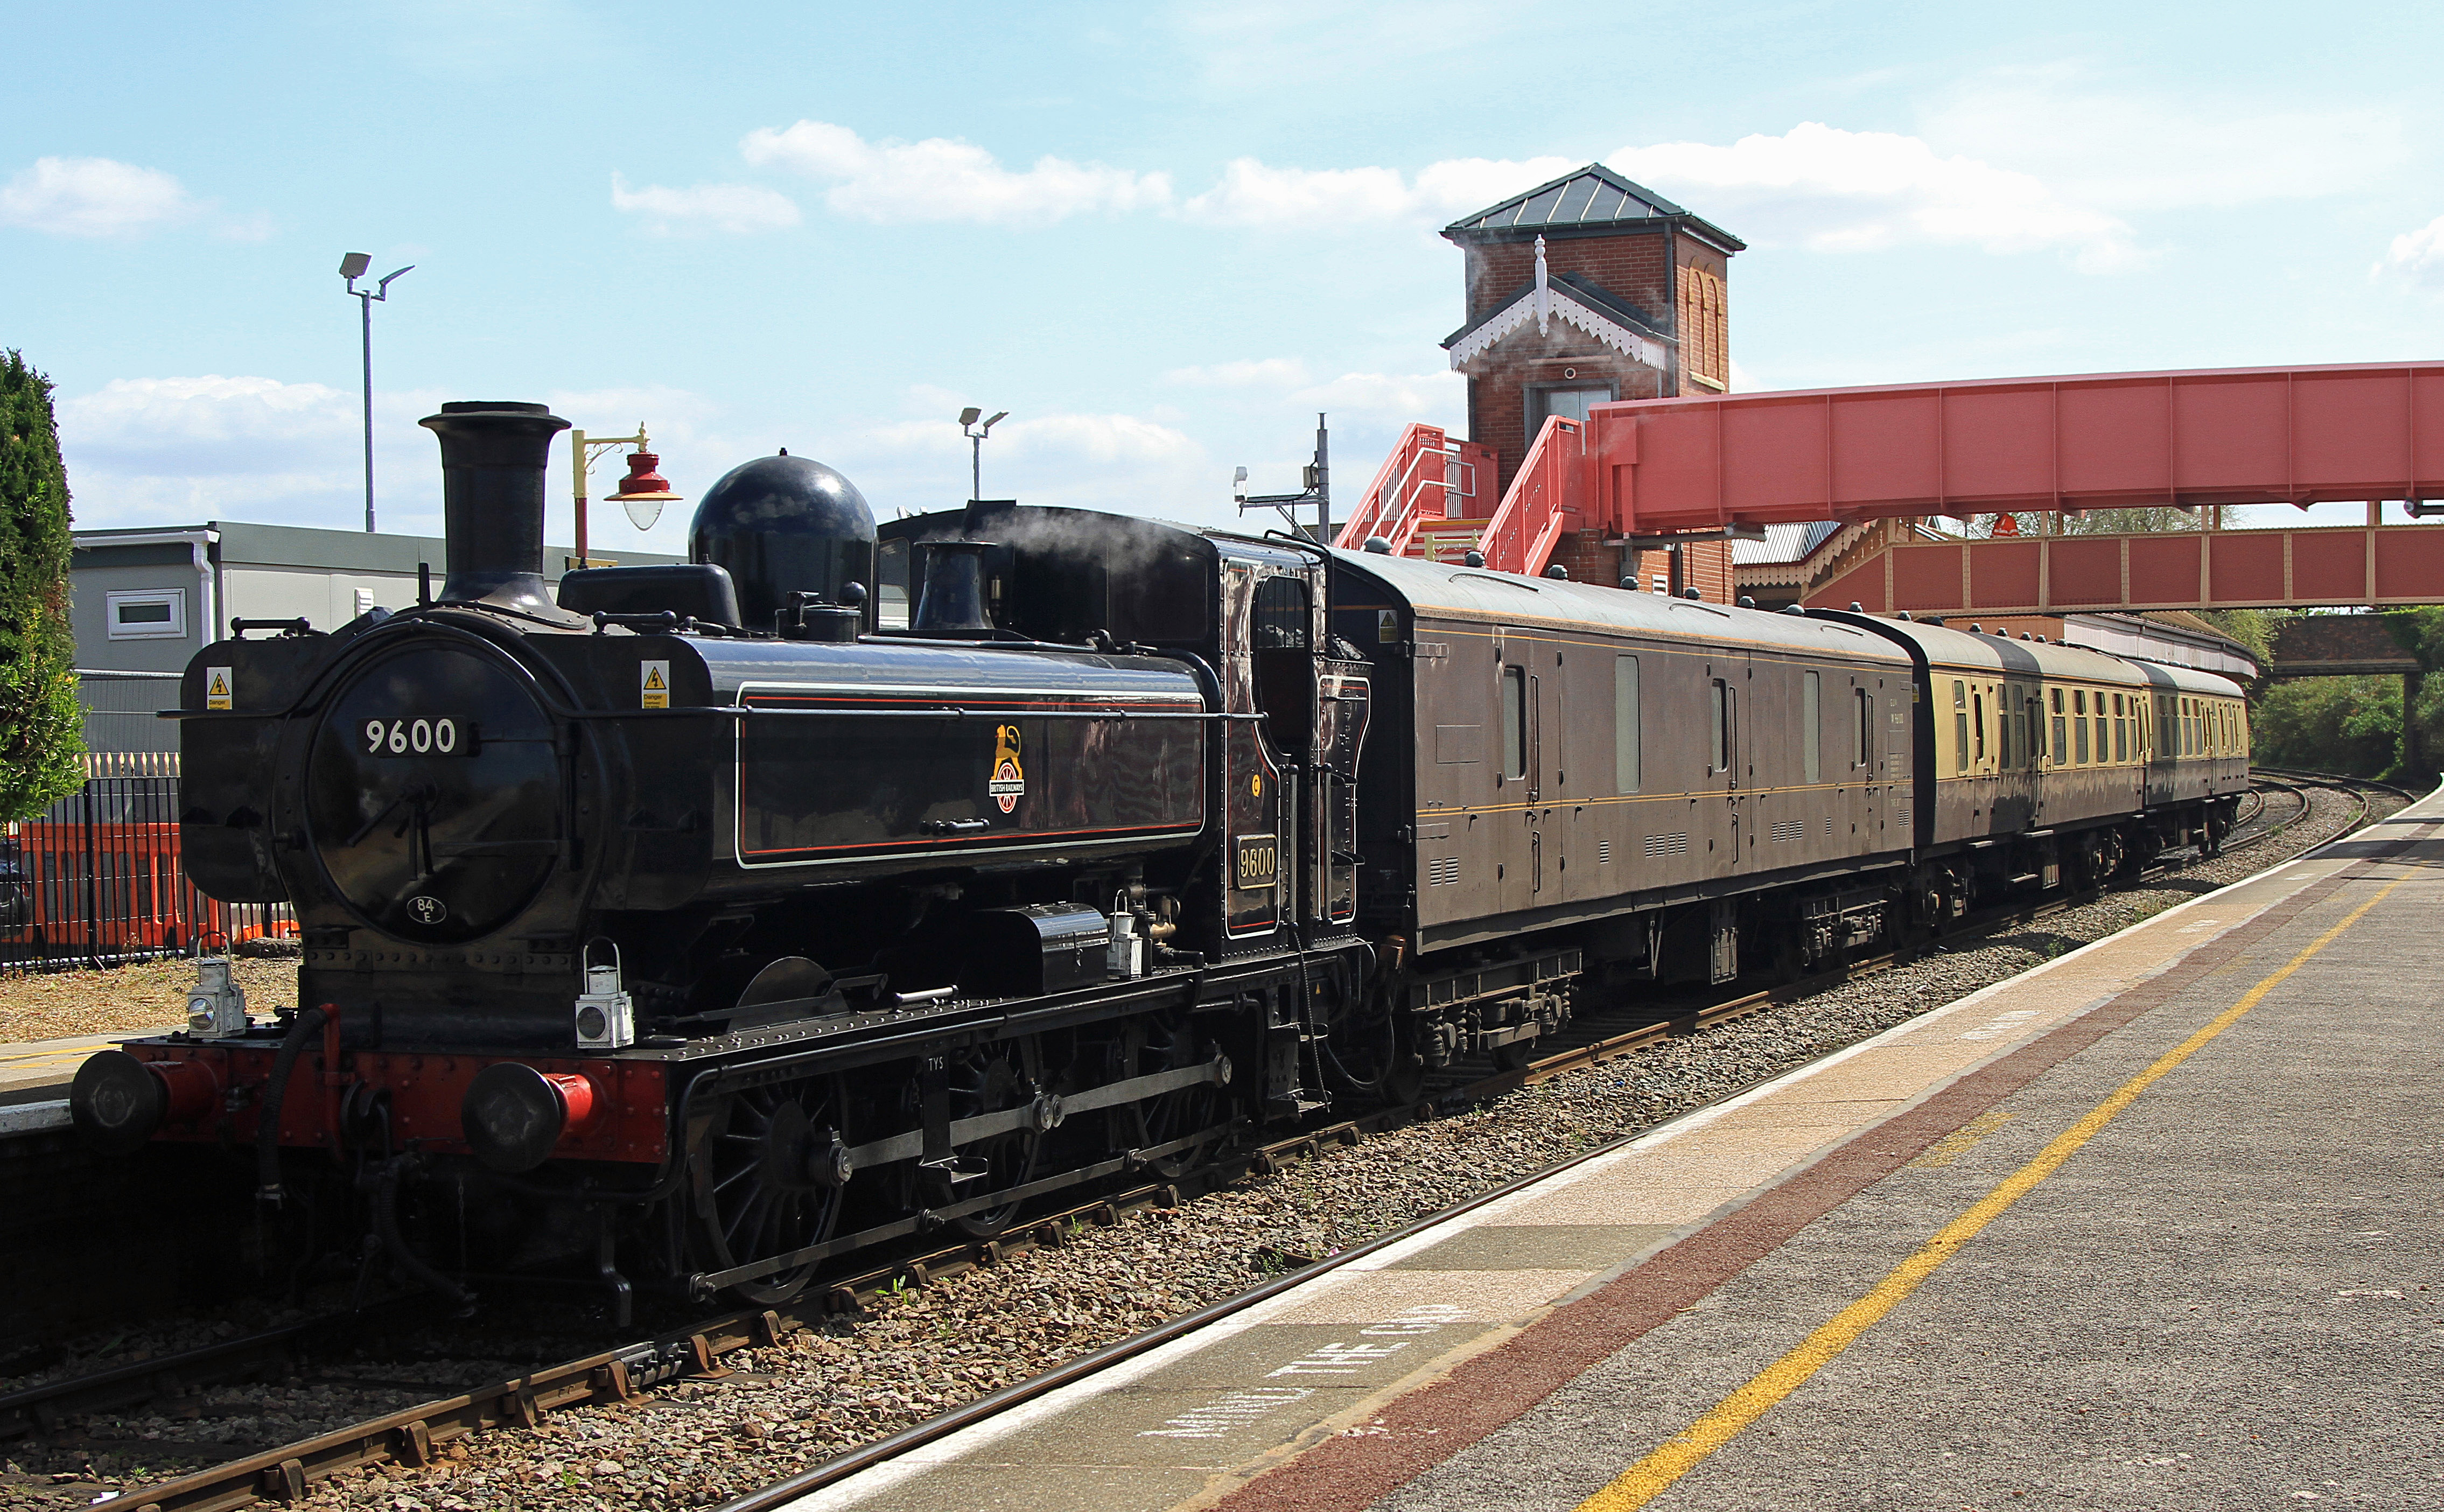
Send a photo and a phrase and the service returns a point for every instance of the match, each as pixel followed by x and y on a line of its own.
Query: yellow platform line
pixel 1649 1477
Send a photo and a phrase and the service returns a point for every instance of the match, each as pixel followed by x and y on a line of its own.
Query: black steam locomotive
pixel 709 921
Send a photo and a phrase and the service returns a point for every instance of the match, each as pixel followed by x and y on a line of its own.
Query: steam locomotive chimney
pixel 492 457
pixel 952 598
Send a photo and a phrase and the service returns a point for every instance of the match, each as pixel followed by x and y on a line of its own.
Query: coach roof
pixel 1507 598
pixel 1964 650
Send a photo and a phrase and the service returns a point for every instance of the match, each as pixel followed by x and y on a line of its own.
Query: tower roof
pixel 1584 200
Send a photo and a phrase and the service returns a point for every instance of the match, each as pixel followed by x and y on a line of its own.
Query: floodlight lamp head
pixel 970 416
pixel 385 286
pixel 353 266
pixel 998 417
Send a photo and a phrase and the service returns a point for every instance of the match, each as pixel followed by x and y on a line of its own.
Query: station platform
pixel 2152 1225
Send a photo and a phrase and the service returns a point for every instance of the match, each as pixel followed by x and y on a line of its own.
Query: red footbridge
pixel 1655 470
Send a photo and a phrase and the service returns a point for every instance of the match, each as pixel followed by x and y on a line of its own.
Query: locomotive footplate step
pixel 2150 1225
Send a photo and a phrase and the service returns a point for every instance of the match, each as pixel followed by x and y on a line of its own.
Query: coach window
pixel 1811 727
pixel 1977 722
pixel 1862 726
pixel 2079 726
pixel 1627 767
pixel 1959 727
pixel 1514 721
pixel 2061 732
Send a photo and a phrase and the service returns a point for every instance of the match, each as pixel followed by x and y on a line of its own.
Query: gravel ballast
pixel 913 1355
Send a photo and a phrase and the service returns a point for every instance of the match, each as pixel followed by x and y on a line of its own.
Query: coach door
pixel 1521 779
pixel 1722 796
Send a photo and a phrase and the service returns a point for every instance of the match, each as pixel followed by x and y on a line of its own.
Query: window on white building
pixel 159 614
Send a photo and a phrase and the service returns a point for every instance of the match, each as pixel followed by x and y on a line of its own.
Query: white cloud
pixel 1831 189
pixel 735 207
pixel 2417 255
pixel 155 451
pixel 2124 148
pixel 1127 464
pixel 1394 398
pixel 939 179
pixel 221 420
pixel 1252 193
pixel 1265 372
pixel 92 196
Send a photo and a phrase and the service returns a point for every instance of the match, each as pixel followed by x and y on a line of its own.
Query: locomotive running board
pixel 703 1284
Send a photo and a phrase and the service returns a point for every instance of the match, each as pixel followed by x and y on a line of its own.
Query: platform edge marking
pixel 1649 1477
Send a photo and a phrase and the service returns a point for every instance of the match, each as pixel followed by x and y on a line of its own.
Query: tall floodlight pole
pixel 352 268
pixel 976 435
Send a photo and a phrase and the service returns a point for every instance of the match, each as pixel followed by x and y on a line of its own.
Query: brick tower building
pixel 1582 290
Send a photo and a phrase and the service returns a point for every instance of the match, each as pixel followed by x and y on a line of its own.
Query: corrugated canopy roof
pixel 1593 195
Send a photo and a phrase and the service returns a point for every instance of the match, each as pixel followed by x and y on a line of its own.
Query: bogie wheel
pixel 760 1177
pixel 1515 1055
pixel 1371 1052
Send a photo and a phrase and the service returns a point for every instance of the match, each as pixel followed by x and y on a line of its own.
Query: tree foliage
pixel 41 728
pixel 2150 520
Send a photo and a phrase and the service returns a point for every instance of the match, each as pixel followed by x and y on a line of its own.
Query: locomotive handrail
pixel 956 712
pixel 550 707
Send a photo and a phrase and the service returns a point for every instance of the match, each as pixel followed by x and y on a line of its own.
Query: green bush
pixel 2351 726
pixel 41 729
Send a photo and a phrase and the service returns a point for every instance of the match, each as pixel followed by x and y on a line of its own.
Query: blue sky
pixel 1161 235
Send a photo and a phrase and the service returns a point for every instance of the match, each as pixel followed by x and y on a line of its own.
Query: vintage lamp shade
pixel 644 491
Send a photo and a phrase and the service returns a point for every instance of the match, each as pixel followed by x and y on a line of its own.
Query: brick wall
pixel 1631 265
pixel 1706 564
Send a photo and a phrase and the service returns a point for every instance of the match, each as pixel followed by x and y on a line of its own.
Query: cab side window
pixel 1285 671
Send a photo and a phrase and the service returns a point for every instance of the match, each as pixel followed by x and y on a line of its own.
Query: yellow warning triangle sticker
pixel 220 686
pixel 653 683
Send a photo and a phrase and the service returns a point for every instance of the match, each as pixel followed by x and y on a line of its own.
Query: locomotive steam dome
pixel 783 524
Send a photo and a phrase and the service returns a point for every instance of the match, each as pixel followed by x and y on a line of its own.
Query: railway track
pixel 694 1350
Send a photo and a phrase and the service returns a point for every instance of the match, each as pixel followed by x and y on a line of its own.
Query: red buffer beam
pixel 2215 436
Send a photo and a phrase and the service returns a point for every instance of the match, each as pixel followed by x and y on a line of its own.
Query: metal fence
pixel 96 881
